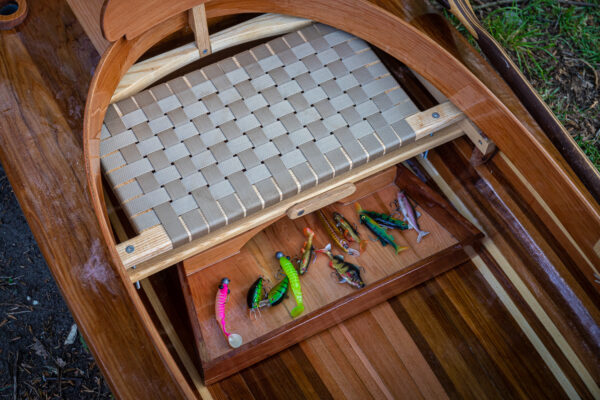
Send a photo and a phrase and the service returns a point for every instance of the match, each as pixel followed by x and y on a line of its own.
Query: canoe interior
pixel 326 301
pixel 519 319
pixel 200 350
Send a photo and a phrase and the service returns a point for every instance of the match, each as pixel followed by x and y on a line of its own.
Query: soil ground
pixel 556 45
pixel 35 321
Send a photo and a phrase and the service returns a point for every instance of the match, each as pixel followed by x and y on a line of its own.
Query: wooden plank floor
pixel 517 321
pixel 470 333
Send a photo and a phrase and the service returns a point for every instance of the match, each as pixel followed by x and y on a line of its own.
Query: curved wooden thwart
pixel 548 178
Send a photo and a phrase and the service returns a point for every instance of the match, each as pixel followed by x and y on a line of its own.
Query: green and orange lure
pixel 381 234
pixel 336 235
pixel 348 230
pixel 308 251
pixel 255 295
pixel 386 220
pixel 277 294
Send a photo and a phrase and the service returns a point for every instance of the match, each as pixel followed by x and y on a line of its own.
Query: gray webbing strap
pixel 220 143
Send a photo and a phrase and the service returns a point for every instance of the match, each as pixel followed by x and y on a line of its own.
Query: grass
pixel 557 46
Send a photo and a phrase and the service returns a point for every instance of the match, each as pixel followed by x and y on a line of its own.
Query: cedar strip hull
pixel 467 344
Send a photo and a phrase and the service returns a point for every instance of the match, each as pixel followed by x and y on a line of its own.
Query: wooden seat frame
pixel 153 250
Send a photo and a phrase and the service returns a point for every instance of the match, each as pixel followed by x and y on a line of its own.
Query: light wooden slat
pixel 197 18
pixel 145 73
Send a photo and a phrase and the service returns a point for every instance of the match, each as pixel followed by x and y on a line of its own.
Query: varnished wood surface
pixel 45 67
pixel 483 330
pixel 88 13
pixel 326 301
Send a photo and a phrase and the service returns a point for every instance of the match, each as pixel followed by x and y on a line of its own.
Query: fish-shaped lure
pixel 255 295
pixel 234 339
pixel 386 220
pixel 277 294
pixel 345 272
pixel 348 230
pixel 409 215
pixel 308 251
pixel 381 234
pixel 292 274
pixel 336 235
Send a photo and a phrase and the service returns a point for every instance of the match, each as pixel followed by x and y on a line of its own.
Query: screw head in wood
pixel 435 115
pixel 129 249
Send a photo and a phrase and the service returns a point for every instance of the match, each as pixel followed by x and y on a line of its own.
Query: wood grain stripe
pixel 523 291
pixel 524 325
pixel 365 361
pixel 420 372
pixel 549 211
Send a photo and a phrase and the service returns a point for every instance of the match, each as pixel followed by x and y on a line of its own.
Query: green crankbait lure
pixel 277 294
pixel 386 220
pixel 255 295
pixel 292 274
pixel 384 237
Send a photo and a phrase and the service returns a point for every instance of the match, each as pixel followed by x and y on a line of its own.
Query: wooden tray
pixel 326 301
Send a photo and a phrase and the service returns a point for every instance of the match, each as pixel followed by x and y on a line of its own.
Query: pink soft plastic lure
pixel 234 339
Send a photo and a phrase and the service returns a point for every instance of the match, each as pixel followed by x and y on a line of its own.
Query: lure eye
pixel 278 255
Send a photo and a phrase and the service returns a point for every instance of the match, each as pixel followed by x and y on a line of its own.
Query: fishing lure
pixel 348 230
pixel 335 235
pixel 386 221
pixel 409 215
pixel 308 251
pixel 292 275
pixel 234 339
pixel 255 295
pixel 277 294
pixel 381 234
pixel 345 272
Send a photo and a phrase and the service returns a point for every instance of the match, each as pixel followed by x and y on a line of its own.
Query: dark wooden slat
pixel 473 372
pixel 234 387
pixel 540 260
pixel 274 378
pixel 420 338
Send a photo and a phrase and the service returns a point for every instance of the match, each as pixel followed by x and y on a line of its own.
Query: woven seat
pixel 223 142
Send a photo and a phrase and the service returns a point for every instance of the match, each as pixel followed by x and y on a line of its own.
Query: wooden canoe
pixel 506 305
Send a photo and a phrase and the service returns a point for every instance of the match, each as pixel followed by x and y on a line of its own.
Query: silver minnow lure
pixel 409 215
